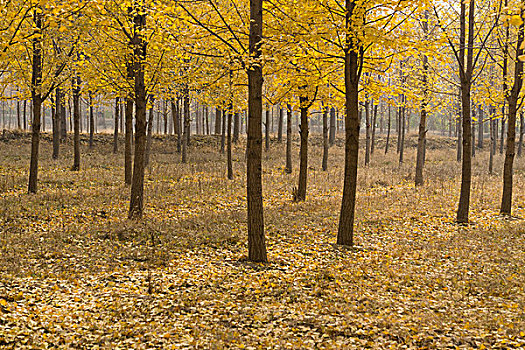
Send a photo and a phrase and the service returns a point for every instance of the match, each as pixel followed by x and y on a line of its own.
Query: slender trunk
pixel 473 131
pixel 388 128
pixel 128 137
pixel 236 125
pixel 422 140
pixel 480 127
pixel 56 119
pixel 303 153
pixel 91 121
pixel 218 121
pixel 207 117
pixel 25 115
pixel 115 126
pixel 374 120
pixel 76 123
pixel 333 121
pixel 502 130
pixel 280 125
pixel 256 240
pixel 175 118
pixel 229 145
pixel 459 132
pixel 18 119
pixel 367 129
pixel 520 144
pixel 513 99
pixel 36 84
pixel 492 149
pixel 288 167
pixel 325 138
pixel 149 133
pixel 267 130
pixel 186 126
pixel 466 83
pixel 345 234
pixel 223 132
pixel 402 136
pixel 136 205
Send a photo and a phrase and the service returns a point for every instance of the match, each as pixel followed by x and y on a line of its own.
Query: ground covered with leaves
pixel 74 273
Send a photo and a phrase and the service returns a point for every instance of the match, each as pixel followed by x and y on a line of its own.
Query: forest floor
pixel 74 273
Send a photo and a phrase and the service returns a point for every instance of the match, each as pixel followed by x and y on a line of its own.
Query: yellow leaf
pixel 515 20
pixel 3 302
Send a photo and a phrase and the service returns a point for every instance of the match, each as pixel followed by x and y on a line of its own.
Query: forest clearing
pixel 77 274
pixel 262 174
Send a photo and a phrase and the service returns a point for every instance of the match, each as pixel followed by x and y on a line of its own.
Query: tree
pixel 256 240
pixel 512 99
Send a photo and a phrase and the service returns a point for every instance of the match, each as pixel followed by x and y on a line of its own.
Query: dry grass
pixel 74 273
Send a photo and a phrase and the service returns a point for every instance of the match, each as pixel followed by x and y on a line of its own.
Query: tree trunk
pixel 187 126
pixel 492 149
pixel 502 130
pixel 303 153
pixel 288 167
pixel 218 121
pixel 389 126
pixel 128 137
pixel 18 119
pixel 345 233
pixel 136 205
pixel 280 125
pixel 223 132
pixel 36 85
pixel 520 144
pixel 115 126
pixel 256 240
pixel 56 119
pixel 149 133
pixel 374 120
pixel 333 122
pixel 459 129
pixel 91 121
pixel 175 115
pixel 422 140
pixel 513 99
pixel 480 127
pixel 473 131
pixel 236 126
pixel 76 123
pixel 466 83
pixel 402 136
pixel 267 130
pixel 229 145
pixel 367 129
pixel 325 138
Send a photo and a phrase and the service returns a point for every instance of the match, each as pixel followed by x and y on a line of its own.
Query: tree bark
pixel 280 125
pixel 303 152
pixel 288 167
pixel 128 137
pixel 473 131
pixel 56 119
pixel 492 149
pixel 333 122
pixel 115 126
pixel 136 205
pixel 36 84
pixel 374 120
pixel 236 126
pixel 520 144
pixel 480 126
pixel 91 120
pixel 229 145
pixel 402 110
pixel 256 240
pixel 422 134
pixel 218 121
pixel 267 130
pixel 513 99
pixel 223 131
pixel 187 126
pixel 149 133
pixel 466 83
pixel 352 51
pixel 325 139
pixel 388 128
pixel 367 129
pixel 76 123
